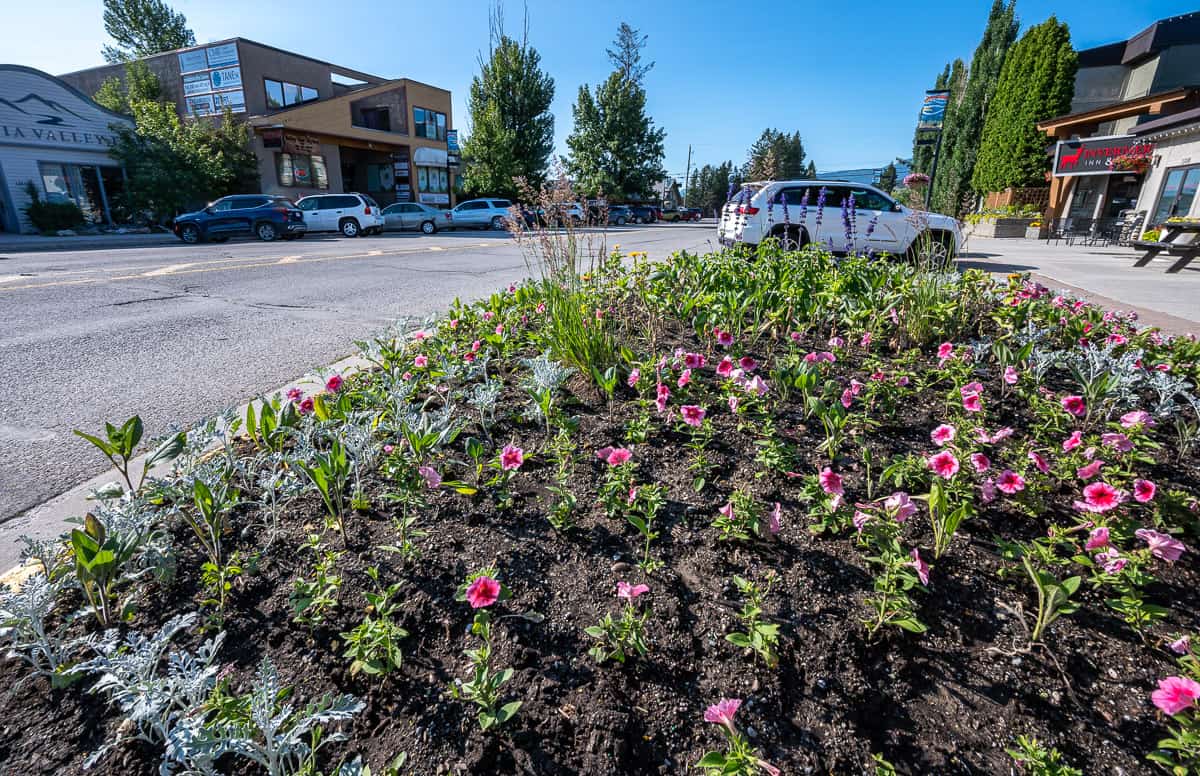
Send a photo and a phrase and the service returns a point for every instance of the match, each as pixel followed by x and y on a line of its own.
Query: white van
pixel 351 214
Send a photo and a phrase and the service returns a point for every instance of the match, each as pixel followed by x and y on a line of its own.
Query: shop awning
pixel 1151 104
pixel 1167 122
pixel 429 157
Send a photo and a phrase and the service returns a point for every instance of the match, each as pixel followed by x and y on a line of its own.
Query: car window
pixel 256 201
pixel 503 204
pixel 472 206
pixel 369 201
pixel 795 196
pixel 344 201
pixel 865 199
pixel 223 205
pixel 309 203
pixel 833 196
pixel 283 201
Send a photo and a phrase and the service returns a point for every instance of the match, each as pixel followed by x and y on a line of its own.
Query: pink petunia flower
pixel 865 342
pixel 747 364
pixel 1011 375
pixel 685 377
pixel 1073 441
pixel 724 338
pixel 987 491
pixel 1176 694
pixel 847 398
pixel 1181 645
pixel 970 388
pixel 1000 435
pixel 389 449
pixel 972 403
pixel 733 403
pixel 420 362
pixel 1091 470
pixel 633 378
pixel 475 346
pixel 307 405
pixel 980 462
pixel 1010 482
pixel 945 351
pixel 1136 419
pixel 693 415
pixel 727 510
pixel 725 368
pixel 1100 497
pixel 902 381
pixel 511 458
pixel 432 478
pixel 630 592
pixel 943 435
pixel 615 456
pixel 1118 442
pixel 694 360
pixel 334 384
pixel 860 520
pixel 921 566
pixel 294 395
pixel 1161 545
pixel 837 342
pixel 420 335
pixel 721 712
pixel 900 506
pixel 831 482
pixel 757 385
pixel 944 464
pixel 1143 491
pixel 1074 405
pixel 1097 538
pixel 484 591
pixel 1111 561
pixel 775 521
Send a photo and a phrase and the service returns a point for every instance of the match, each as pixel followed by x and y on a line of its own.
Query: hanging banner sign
pixel 1091 156
pixel 933 109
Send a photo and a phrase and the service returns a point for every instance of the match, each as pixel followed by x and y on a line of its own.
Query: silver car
pixel 413 215
pixel 481 214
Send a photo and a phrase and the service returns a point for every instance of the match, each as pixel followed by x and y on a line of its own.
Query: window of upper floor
pixel 429 124
pixel 283 94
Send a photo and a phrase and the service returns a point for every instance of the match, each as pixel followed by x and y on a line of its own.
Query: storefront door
pixel 1178 191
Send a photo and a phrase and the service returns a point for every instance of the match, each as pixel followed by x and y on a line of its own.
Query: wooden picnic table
pixel 1167 244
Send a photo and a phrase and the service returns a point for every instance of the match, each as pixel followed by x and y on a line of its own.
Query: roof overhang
pixel 1151 104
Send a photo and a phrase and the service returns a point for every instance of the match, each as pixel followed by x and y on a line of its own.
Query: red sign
pixel 1092 156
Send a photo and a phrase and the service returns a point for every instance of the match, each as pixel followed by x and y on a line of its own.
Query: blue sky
pixel 848 76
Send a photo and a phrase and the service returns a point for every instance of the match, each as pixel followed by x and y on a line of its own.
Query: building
pixel 1111 160
pixel 867 175
pixel 318 127
pixel 55 139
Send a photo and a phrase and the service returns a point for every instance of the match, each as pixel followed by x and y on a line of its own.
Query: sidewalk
pixel 1104 275
pixel 35 243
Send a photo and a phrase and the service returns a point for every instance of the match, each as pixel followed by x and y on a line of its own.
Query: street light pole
pixel 937 151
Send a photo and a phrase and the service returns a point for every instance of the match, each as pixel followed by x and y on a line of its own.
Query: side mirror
pixel 210 210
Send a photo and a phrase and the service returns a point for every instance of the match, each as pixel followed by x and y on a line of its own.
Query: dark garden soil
pixel 948 701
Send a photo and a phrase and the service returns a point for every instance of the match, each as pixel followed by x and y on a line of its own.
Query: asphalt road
pixel 177 333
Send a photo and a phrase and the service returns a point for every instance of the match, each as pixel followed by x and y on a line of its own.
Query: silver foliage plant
pixel 24 626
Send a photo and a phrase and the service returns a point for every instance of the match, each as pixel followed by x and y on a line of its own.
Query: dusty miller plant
pixel 153 701
pixel 47 650
pixel 483 398
pixel 545 378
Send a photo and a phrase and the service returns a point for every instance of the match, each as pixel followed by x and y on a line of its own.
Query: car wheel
pixel 349 228
pixel 620 222
pixel 189 233
pixel 428 227
pixel 266 231
pixel 497 222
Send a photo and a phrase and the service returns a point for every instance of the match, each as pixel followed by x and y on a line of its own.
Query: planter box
pixel 1001 227
pixel 1035 233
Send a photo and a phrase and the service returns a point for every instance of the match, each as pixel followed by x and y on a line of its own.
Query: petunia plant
pixel 621 637
pixel 739 757
pixel 481 590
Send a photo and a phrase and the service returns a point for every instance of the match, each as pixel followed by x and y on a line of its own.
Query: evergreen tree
pixel 709 189
pixel 887 178
pixel 139 84
pixel 143 27
pixel 627 56
pixel 963 127
pixel 512 128
pixel 1037 82
pixel 811 173
pixel 775 156
pixel 615 150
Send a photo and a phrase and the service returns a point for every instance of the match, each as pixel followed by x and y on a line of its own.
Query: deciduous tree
pixel 139 83
pixel 143 27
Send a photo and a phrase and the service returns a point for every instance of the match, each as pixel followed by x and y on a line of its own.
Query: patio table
pixel 1167 244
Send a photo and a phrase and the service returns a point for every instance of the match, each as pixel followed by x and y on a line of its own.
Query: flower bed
pixel 728 513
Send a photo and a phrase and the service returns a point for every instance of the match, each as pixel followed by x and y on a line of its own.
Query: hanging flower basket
pixel 916 180
pixel 1129 163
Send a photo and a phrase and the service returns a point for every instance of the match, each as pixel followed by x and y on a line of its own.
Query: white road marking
pixel 168 270
pixel 289 259
pixel 9 278
pixel 436 248
pixel 374 253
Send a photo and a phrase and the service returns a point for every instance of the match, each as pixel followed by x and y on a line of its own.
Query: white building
pixel 57 139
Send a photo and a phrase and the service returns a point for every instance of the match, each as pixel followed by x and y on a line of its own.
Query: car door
pixel 887 234
pixel 245 212
pixel 217 214
pixel 311 208
pixel 470 213
pixel 826 226
pixel 396 216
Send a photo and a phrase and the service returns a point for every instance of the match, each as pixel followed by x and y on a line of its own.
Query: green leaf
pixel 739 639
pixel 910 625
pixel 104 447
pixel 168 450
pixel 507 712
pixel 712 760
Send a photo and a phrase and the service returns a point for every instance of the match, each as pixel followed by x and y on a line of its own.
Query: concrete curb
pixel 48 519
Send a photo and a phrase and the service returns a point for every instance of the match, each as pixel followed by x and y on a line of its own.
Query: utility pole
pixel 687 176
pixel 937 151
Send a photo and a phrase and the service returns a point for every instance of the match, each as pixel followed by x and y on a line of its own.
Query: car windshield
pixel 370 201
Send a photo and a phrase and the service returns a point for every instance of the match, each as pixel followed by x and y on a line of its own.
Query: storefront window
pixel 429 124
pixel 1179 189
pixel 432 180
pixel 301 170
pixel 54 182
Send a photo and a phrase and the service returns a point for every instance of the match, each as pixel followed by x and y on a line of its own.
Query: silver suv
pixel 814 215
pixel 351 214
pixel 480 214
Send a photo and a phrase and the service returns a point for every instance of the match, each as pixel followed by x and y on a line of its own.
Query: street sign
pixel 933 109
pixel 452 142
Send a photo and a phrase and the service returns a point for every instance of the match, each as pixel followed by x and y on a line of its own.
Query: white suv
pixel 815 215
pixel 351 214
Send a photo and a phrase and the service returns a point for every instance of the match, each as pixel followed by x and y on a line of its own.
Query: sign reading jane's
pixel 1092 155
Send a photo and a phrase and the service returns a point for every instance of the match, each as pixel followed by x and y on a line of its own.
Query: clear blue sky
pixel 848 76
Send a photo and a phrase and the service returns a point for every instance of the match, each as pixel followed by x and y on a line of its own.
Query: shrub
pixel 49 217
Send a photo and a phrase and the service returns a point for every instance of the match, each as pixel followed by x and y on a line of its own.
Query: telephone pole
pixel 687 176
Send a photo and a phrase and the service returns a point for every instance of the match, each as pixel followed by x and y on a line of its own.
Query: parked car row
pixel 269 217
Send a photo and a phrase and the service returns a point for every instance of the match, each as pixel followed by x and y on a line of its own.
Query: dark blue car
pixel 261 215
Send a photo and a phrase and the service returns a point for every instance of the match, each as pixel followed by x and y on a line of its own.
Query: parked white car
pixel 757 212
pixel 351 214
pixel 481 214
pixel 413 215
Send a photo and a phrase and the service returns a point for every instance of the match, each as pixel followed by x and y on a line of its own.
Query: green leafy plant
pixel 374 645
pixel 1036 760
pixel 740 518
pixel 641 514
pixel 1053 597
pixel 329 472
pixel 209 521
pixel 313 599
pixel 759 635
pixel 621 637
pixel 484 687
pixel 99 559
pixel 121 442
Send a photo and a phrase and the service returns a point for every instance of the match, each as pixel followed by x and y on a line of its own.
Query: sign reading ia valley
pixel 39 111
pixel 1092 156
